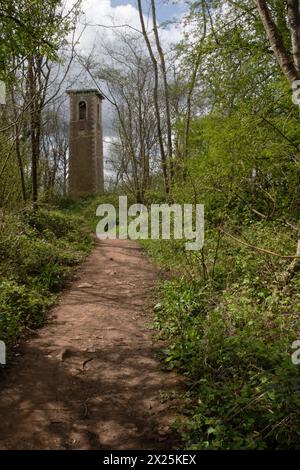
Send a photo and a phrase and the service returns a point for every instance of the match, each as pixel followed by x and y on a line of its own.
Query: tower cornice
pixel 86 92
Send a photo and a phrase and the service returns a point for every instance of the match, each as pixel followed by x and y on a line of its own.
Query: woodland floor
pixel 90 378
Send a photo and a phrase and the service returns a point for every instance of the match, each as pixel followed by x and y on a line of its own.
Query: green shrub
pixel 20 307
pixel 48 222
pixel 38 248
pixel 230 333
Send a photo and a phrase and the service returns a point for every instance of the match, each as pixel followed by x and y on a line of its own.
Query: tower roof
pixel 83 91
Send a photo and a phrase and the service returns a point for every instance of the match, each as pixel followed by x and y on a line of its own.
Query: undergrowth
pixel 38 249
pixel 229 326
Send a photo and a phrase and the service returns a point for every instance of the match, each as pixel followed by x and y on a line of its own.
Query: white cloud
pixel 101 12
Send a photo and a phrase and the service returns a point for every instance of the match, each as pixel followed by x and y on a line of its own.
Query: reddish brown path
pixel 90 379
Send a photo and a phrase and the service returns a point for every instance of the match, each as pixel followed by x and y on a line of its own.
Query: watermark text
pixel 160 221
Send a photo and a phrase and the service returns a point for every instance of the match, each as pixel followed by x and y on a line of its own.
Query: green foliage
pixel 31 27
pixel 20 307
pixel 229 320
pixel 230 333
pixel 9 188
pixel 38 249
pixel 86 207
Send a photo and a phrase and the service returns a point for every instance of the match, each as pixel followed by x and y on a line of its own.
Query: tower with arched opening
pixel 86 143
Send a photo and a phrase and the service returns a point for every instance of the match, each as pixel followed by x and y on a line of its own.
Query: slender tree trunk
pixel 142 150
pixel 166 88
pixel 293 15
pixel 289 65
pixel 18 149
pixel 38 78
pixel 192 86
pixel 275 38
pixel 155 97
pixel 65 172
pixel 20 163
pixel 189 106
pixel 34 130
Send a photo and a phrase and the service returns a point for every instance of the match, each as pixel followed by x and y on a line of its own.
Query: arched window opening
pixel 82 111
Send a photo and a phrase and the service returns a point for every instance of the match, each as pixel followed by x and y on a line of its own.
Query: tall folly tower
pixel 86 143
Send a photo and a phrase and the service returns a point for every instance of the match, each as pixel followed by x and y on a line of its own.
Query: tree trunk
pixel 294 27
pixel 34 130
pixel 290 68
pixel 275 38
pixel 20 163
pixel 166 88
pixel 17 147
pixel 155 97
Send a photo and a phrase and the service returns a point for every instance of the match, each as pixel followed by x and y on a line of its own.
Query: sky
pixel 165 9
pixel 108 12
pixel 117 12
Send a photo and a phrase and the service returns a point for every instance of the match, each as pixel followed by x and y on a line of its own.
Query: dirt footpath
pixel 90 379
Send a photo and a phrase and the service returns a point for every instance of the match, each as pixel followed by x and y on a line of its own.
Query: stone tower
pixel 86 143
